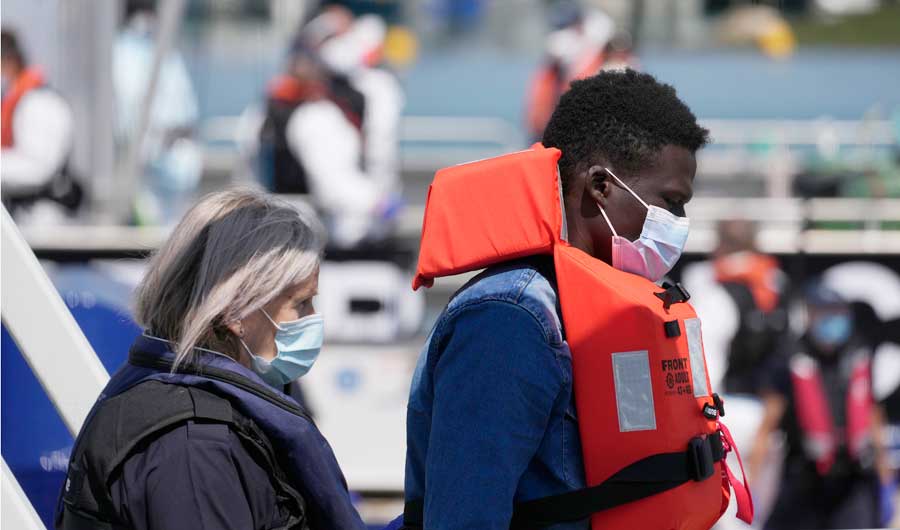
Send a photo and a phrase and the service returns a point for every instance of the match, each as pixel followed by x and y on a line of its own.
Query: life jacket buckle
pixel 673 294
pixel 720 404
pixel 700 459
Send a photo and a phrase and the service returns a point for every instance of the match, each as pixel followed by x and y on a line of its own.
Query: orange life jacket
pixel 821 438
pixel 646 411
pixel 30 79
pixel 758 272
pixel 550 82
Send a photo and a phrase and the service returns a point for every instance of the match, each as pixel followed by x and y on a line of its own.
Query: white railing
pixel 47 335
pixel 53 346
pixel 15 509
pixel 801 132
pixel 782 225
pixel 431 142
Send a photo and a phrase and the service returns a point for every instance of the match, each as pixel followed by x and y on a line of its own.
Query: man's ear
pixel 597 184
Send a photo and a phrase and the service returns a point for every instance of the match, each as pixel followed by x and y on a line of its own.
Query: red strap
pixel 859 407
pixel 813 412
pixel 741 490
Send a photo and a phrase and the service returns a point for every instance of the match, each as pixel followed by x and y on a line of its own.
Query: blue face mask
pixel 299 343
pixel 832 330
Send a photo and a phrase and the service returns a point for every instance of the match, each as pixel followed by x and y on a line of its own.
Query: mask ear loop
pixel 240 337
pixel 609 224
pixel 244 344
pixel 270 320
pixel 640 200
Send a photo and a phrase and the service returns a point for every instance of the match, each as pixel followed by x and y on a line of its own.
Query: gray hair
pixel 230 255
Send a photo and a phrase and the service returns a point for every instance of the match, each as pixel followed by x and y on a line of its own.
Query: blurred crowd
pixel 819 356
pixel 818 359
pixel 326 128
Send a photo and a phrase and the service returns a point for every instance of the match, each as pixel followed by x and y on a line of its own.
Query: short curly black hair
pixel 626 117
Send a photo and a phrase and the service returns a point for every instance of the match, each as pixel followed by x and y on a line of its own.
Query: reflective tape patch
pixel 698 361
pixel 634 392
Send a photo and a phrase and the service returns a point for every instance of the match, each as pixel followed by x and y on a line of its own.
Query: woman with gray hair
pixel 195 430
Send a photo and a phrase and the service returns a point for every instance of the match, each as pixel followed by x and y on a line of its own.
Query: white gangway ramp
pixel 53 346
pixel 16 511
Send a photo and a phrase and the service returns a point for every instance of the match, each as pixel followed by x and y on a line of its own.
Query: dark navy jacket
pixel 205 477
pixel 198 475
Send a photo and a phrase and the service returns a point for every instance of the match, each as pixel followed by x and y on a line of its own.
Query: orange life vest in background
pixel 821 438
pixel 550 82
pixel 648 419
pixel 758 272
pixel 30 79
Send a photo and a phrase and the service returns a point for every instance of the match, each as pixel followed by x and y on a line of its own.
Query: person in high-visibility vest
pixel 563 386
pixel 820 395
pixel 36 131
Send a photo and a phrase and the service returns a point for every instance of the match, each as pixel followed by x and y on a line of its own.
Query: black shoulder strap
pixel 644 478
pixel 134 416
pixel 146 409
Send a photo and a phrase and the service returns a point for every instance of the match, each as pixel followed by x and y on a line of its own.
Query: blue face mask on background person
pixel 659 246
pixel 299 343
pixel 831 330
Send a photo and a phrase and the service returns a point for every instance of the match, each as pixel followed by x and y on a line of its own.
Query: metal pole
pixel 170 14
pixel 83 73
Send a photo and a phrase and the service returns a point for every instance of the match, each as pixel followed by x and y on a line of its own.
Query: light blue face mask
pixel 832 330
pixel 299 343
pixel 659 246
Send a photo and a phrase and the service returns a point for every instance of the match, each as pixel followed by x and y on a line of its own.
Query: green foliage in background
pixel 881 28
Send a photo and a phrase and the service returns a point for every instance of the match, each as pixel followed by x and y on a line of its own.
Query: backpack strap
pixel 136 416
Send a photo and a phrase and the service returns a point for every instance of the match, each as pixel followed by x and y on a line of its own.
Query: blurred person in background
pixel 195 431
pixel 356 54
pixel 820 396
pixel 38 186
pixel 739 293
pixel 575 49
pixel 756 285
pixel 171 158
pixel 330 127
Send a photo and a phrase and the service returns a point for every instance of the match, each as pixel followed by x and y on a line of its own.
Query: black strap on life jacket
pixel 63 188
pixel 644 478
pixel 137 416
pixel 282 171
pixel 279 165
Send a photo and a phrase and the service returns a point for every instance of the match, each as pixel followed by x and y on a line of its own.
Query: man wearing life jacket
pixel 562 386
pixel 36 126
pixel 821 398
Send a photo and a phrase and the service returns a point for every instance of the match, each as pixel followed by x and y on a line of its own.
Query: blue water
pixel 841 83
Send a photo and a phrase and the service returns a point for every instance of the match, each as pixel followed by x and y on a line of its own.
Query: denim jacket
pixel 491 418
